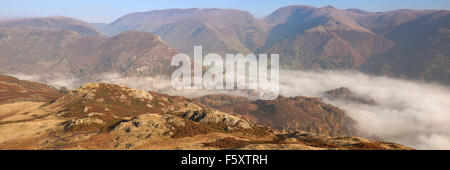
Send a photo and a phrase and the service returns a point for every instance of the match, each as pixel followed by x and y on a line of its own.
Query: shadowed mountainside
pixel 422 50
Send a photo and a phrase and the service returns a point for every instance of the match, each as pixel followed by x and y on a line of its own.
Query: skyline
pixel 106 11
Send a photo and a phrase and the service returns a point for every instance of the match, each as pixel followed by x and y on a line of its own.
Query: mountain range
pixel 402 43
pixel 412 44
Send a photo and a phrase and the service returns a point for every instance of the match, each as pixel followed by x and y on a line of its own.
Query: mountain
pixel 422 50
pixel 403 43
pixel 57 23
pixel 385 22
pixel 305 37
pixel 15 90
pixel 30 50
pixel 321 38
pixel 108 116
pixel 220 31
pixel 287 114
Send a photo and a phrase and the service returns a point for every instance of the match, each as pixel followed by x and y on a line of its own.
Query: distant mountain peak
pixel 329 7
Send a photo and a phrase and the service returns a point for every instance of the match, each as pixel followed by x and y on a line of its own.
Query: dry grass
pixel 192 128
pixel 232 143
pixel 228 142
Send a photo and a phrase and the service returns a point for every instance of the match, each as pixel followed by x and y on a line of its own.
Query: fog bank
pixel 416 114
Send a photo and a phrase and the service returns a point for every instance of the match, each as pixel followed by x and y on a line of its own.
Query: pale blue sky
pixel 109 10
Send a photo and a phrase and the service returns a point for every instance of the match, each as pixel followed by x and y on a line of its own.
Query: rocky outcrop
pixel 105 107
pixel 214 116
pixel 344 94
pixel 135 132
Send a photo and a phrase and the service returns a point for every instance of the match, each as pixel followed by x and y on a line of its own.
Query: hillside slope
pixel 15 90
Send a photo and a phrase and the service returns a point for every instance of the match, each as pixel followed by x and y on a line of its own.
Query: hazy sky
pixel 109 10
